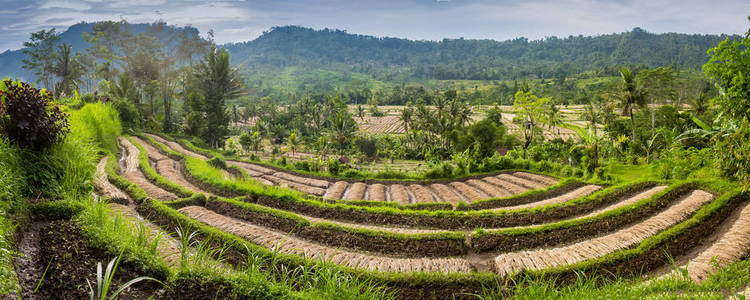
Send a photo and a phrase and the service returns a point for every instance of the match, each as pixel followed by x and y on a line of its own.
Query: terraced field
pixel 627 228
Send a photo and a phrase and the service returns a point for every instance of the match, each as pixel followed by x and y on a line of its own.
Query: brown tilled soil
pixel 290 245
pixel 356 191
pixel 509 263
pixel 489 189
pixel 133 173
pixel 421 194
pixel 529 184
pixel 336 191
pixel 105 188
pixel 167 167
pixel 733 246
pixel 638 197
pixel 546 180
pixel 376 192
pixel 446 194
pixel 399 194
pixel 60 247
pixel 303 180
pixel 470 193
pixel 575 194
pixel 176 147
pixel 505 185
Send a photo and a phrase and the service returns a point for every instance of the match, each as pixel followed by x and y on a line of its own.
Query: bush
pixel 217 162
pixel 302 165
pixel 129 115
pixel 29 117
pixel 334 166
pixel 351 173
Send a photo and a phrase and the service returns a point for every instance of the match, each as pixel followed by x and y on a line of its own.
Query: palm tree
pixel 125 88
pixel 68 69
pixel 630 95
pixel 553 117
pixel 361 112
pixel 342 129
pixel 700 104
pixel 406 117
pixel 217 81
pixel 292 141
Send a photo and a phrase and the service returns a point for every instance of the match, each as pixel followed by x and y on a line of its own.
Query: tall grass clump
pixel 11 187
pixel 97 122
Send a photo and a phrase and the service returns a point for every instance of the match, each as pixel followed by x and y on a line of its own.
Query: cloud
pixel 239 20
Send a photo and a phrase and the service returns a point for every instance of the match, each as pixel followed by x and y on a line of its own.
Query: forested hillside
pixel 393 59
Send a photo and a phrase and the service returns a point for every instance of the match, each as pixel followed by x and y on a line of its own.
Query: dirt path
pixel 291 245
pixel 509 263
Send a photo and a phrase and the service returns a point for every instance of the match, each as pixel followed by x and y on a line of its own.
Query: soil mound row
pixel 133 173
pixel 510 263
pixel 106 189
pixel 278 241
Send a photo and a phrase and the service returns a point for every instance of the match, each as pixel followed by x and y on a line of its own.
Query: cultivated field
pixel 469 230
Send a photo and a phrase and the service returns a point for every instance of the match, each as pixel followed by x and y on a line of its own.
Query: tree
pixel 342 129
pixel 406 115
pixel 630 94
pixel 657 86
pixel 552 114
pixel 728 68
pixel 217 82
pixel 529 108
pixel 41 52
pixel 68 69
pixel 361 112
pixel 292 141
pixel 125 88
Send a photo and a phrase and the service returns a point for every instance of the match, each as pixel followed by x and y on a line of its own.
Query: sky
pixel 240 20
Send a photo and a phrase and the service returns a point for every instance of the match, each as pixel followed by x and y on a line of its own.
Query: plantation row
pixel 453 192
pixel 568 228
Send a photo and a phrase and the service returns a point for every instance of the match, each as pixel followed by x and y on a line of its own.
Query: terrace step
pixel 574 194
pixel 733 246
pixel 133 173
pixel 273 240
pixel 106 189
pixel 167 167
pixel 510 263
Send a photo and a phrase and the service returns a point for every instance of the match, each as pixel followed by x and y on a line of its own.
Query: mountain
pixel 295 58
pixel 291 46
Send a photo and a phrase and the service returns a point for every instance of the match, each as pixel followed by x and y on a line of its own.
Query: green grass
pixel 627 173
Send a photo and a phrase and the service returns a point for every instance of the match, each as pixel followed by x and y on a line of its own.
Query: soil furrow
pixel 733 246
pixel 546 180
pixel 470 193
pixel 376 192
pixel 421 194
pixel 176 147
pixel 607 244
pixel 640 196
pixel 357 191
pixel 399 195
pixel 256 234
pixel 106 189
pixel 446 193
pixel 489 189
pixel 574 194
pixel 510 187
pixel 134 174
pixel 532 185
pixel 336 191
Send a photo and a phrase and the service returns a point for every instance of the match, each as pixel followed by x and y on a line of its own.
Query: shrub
pixel 30 117
pixel 302 165
pixel 129 115
pixel 334 166
pixel 351 173
pixel 217 162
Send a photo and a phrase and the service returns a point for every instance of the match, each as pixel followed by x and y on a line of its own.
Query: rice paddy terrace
pixel 429 239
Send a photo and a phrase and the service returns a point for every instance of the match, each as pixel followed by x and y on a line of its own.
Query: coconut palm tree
pixel 630 94
pixel 406 115
pixel 217 81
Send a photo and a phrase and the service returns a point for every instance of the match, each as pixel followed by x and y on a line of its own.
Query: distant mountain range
pixel 288 54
